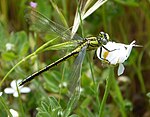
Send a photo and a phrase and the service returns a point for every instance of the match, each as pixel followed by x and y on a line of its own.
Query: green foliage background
pixel 123 20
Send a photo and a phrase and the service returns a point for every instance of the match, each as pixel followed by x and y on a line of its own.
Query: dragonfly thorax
pixel 103 38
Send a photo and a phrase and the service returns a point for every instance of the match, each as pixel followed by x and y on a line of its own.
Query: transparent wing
pixel 76 71
pixel 75 82
pixel 42 23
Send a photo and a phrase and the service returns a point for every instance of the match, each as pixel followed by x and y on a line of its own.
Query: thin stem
pixel 3 103
pixel 20 102
pixel 118 97
pixel 108 84
pixel 96 89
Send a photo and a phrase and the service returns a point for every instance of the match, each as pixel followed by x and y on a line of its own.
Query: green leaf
pixel 133 3
pixel 9 56
pixel 21 43
pixel 49 108
pixel 52 81
pixel 86 102
pixel 74 115
pixel 4 106
pixel 86 112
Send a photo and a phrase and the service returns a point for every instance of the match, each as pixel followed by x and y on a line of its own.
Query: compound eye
pixel 104 41
pixel 104 37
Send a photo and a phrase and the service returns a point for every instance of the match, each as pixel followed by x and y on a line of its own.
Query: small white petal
pixel 81 90
pixel 9 90
pixel 60 113
pixel 25 90
pixel 14 113
pixel 133 42
pixel 65 84
pixel 9 46
pixel 13 84
pixel 15 94
pixel 120 69
pixel 129 48
pixel 1 93
pixel 18 81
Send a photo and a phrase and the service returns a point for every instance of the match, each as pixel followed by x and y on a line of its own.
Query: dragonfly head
pixel 103 38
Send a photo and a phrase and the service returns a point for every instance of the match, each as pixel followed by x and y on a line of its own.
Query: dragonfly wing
pixel 75 81
pixel 76 71
pixel 44 24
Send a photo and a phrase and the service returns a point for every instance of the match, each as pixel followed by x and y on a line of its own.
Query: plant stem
pixel 96 86
pixel 118 97
pixel 3 103
pixel 108 84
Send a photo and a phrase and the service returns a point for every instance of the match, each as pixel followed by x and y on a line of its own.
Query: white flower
pixel 80 89
pixel 9 46
pixel 13 88
pixel 1 93
pixel 14 113
pixel 63 84
pixel 115 53
pixel 60 113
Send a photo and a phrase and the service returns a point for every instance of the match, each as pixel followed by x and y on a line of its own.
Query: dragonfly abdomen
pixel 29 78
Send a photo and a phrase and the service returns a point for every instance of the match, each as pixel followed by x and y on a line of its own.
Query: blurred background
pixel 123 20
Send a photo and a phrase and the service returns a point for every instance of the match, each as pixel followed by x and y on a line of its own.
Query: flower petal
pixel 9 90
pixel 15 94
pixel 129 49
pixel 33 4
pixel 25 90
pixel 120 69
pixel 9 46
pixel 14 113
pixel 1 93
pixel 18 81
pixel 13 84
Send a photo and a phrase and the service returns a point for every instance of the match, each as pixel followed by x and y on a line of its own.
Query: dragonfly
pixel 82 45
